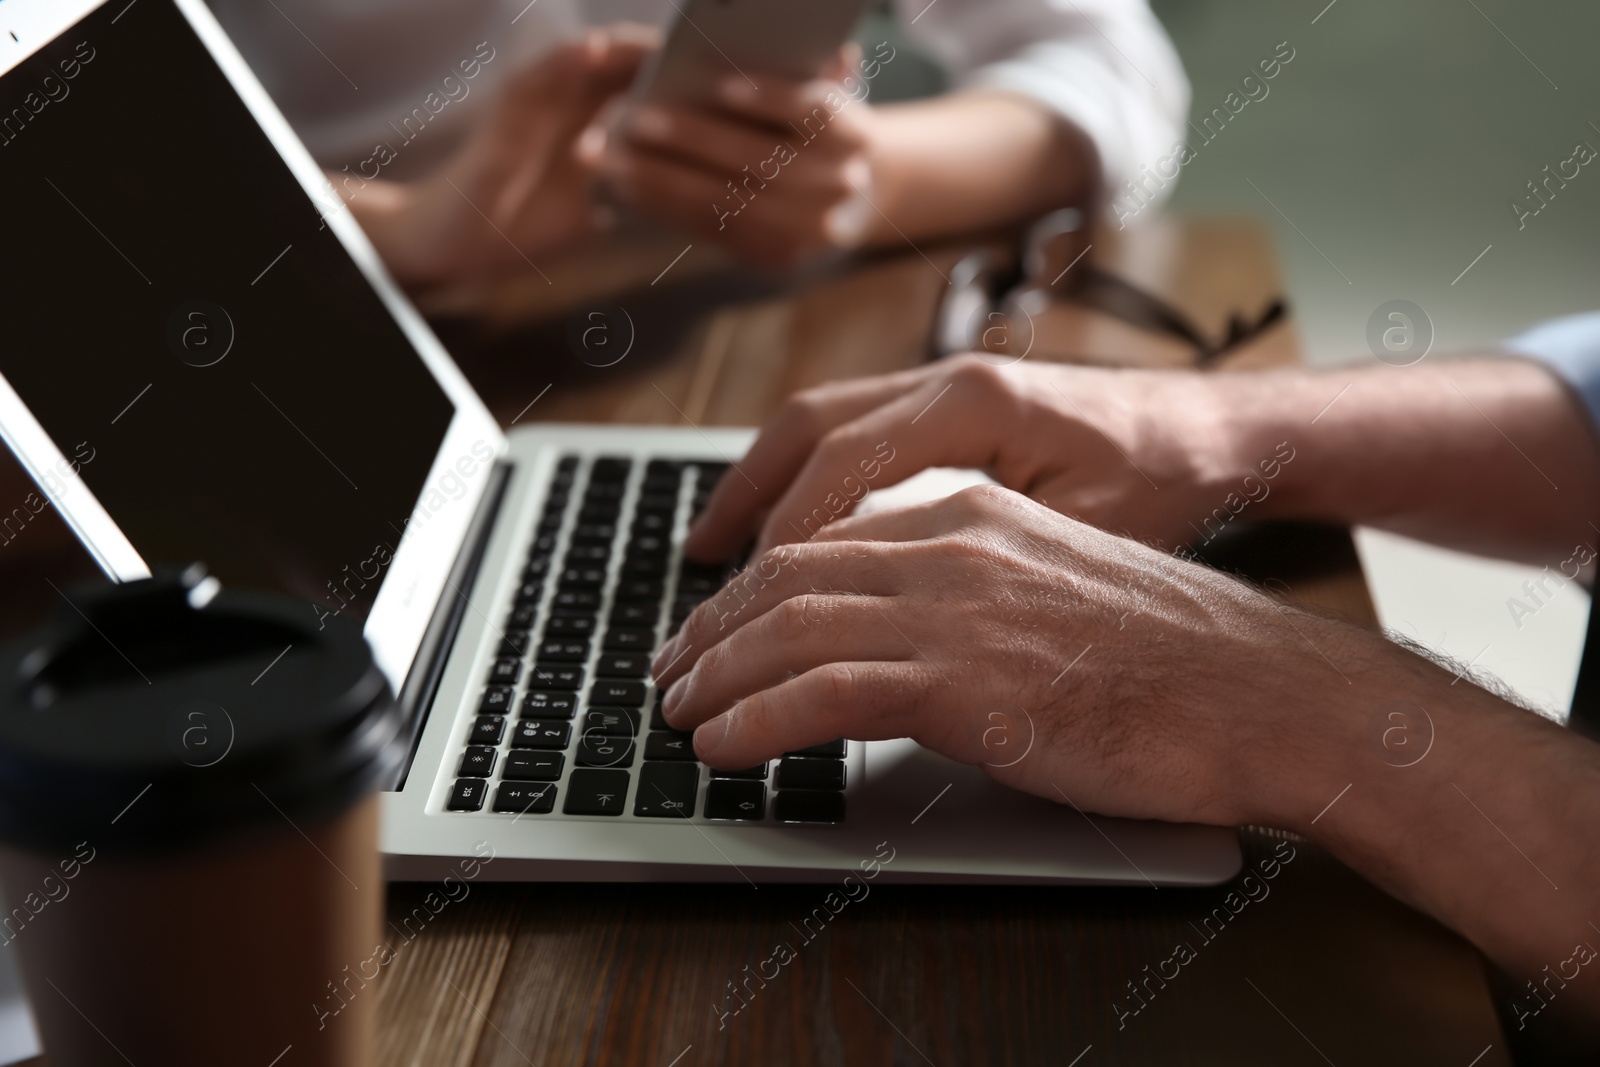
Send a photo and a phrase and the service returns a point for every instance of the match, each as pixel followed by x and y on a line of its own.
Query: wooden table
pixel 1325 969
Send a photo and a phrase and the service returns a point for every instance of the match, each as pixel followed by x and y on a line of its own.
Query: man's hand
pixel 775 172
pixel 1143 453
pixel 1094 670
pixel 986 626
pixel 516 191
pixel 1492 456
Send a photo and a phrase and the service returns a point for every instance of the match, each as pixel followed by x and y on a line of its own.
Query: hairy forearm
pixel 1491 456
pixel 973 160
pixel 1478 812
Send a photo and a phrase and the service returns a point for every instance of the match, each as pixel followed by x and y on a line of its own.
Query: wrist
pixel 1444 795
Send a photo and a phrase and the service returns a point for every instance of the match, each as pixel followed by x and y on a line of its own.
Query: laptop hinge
pixel 422 682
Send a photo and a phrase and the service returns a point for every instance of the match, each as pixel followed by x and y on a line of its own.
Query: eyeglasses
pixel 994 292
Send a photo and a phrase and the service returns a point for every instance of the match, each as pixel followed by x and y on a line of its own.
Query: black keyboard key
pixel 744 774
pixel 496 700
pixel 598 513
pixel 658 721
pixel 591 578
pixel 634 615
pixel 542 704
pixel 808 805
pixel 541 733
pixel 595 792
pixel 648 545
pixel 745 801
pixel 564 650
pixel 623 665
pixel 599 750
pixel 594 533
pixel 570 626
pixel 531 765
pixel 666 790
pixel 477 762
pixel 566 465
pixel 585 600
pixel 487 730
pixel 618 693
pixel 603 492
pixel 828 749
pixel 523 617
pixel 633 589
pixel 505 671
pixel 659 522
pixel 543 547
pixel 529 594
pixel 611 722
pixel 537 568
pixel 669 745
pixel 610 469
pixel 555 676
pixel 653 502
pixel 667 487
pixel 631 640
pixel 660 468
pixel 578 555
pixel 644 568
pixel 525 799
pixel 467 794
pixel 794 773
pixel 515 644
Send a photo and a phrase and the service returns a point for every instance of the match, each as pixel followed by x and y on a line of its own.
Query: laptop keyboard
pixel 569 721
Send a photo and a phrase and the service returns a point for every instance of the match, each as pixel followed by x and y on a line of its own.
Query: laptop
pixel 205 360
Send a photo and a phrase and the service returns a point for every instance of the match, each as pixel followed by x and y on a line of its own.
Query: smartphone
pixel 713 40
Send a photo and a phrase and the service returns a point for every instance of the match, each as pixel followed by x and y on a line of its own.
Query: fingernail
pixel 653 124
pixel 665 656
pixel 711 735
pixel 675 696
pixel 591 143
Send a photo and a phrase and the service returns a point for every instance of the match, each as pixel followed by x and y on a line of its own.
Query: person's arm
pixel 1053 107
pixel 1103 69
pixel 1137 684
pixel 1495 456
pixel 1491 456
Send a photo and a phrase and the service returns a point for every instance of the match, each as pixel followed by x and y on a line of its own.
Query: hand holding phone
pixel 712 40
pixel 774 168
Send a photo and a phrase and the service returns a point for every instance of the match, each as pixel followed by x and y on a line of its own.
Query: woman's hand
pixel 776 171
pixel 1151 454
pixel 1065 661
pixel 516 191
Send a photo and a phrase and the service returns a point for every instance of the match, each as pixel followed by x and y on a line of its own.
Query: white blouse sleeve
pixel 1107 66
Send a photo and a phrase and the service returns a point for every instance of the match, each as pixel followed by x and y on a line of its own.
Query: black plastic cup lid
pixel 167 712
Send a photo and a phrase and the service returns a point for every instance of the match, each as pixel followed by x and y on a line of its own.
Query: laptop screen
pixel 193 336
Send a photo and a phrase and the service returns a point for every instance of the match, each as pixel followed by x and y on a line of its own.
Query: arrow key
pixel 734 799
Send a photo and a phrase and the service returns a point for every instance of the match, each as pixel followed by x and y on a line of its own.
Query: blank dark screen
pixel 149 219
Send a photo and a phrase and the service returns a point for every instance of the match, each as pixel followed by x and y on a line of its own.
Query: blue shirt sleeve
pixel 1570 347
